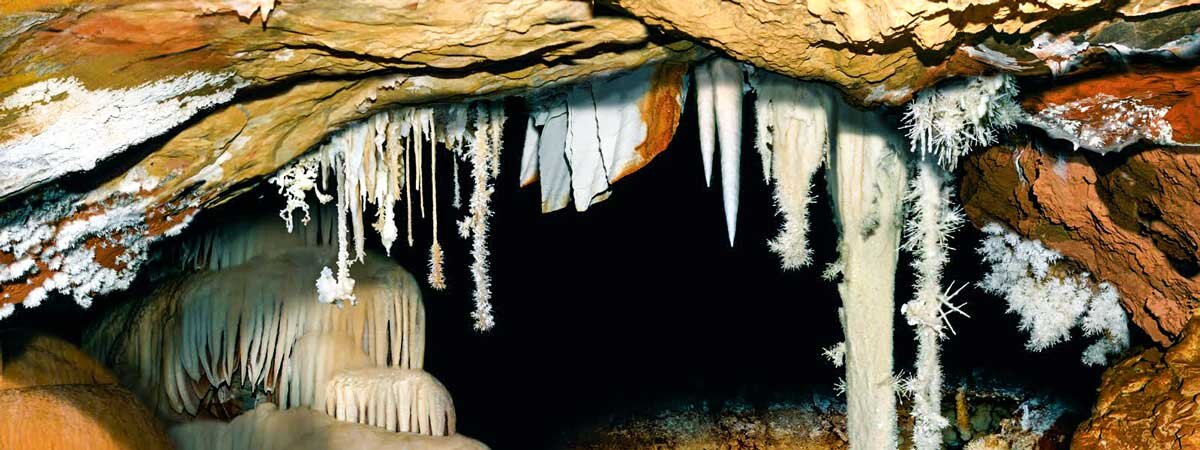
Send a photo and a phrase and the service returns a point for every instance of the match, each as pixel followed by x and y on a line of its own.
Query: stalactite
pixel 793 122
pixel 418 126
pixel 482 155
pixel 866 181
pixel 437 278
pixel 706 117
pixel 408 190
pixel 931 221
pixel 314 360
pixel 374 160
pixel 728 84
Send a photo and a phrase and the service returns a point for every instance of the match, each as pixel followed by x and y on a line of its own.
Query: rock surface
pixel 980 416
pixel 53 396
pixel 1149 401
pixel 288 104
pixel 1128 219
pixel 884 52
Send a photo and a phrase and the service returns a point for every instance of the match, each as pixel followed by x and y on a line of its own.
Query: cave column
pixel 866 180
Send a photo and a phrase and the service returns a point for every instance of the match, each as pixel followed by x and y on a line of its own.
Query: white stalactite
pixel 793 126
pixel 931 221
pixel 554 172
pixel 866 180
pixel 379 161
pixel 728 85
pixel 314 360
pixel 485 149
pixel 706 118
pixel 437 279
pixel 589 178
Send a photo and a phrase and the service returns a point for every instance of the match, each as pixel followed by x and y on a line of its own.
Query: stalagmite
pixel 268 428
pixel 931 221
pixel 793 123
pixel 866 180
pixel 237 328
pixel 727 88
pixel 404 400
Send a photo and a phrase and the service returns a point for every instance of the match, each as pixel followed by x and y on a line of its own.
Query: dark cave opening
pixel 640 304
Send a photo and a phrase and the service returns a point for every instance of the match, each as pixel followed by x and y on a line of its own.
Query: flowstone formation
pixel 1065 130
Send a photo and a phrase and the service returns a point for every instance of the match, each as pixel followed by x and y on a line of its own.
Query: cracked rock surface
pixel 1129 219
pixel 1149 401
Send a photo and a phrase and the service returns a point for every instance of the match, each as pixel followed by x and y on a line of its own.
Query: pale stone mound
pixel 268 428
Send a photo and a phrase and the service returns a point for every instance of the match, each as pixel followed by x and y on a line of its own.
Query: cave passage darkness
pixel 639 304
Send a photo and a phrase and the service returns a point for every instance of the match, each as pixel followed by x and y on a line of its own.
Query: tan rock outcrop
pixel 1128 220
pixel 53 396
pixel 875 51
pixel 28 360
pixel 1148 401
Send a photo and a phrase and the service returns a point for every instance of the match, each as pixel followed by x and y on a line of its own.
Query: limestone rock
pixel 105 417
pixel 53 396
pixel 1149 401
pixel 90 81
pixel 28 360
pixel 1128 220
pixel 218 155
pixel 884 52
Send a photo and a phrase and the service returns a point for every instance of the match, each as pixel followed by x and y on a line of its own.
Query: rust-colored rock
pixel 1149 401
pixel 1129 220
pixel 1110 111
